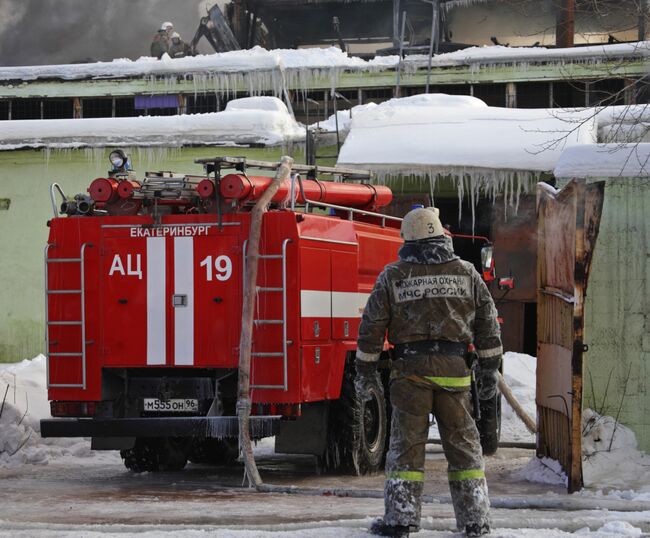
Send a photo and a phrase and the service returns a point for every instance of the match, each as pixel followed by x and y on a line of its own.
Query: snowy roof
pixel 255 59
pixel 315 60
pixel 605 161
pixel 421 136
pixel 252 120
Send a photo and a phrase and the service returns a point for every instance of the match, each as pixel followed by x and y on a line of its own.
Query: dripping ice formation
pixel 485 151
pixel 259 70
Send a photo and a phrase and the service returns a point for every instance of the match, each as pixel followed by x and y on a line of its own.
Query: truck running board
pixel 261 426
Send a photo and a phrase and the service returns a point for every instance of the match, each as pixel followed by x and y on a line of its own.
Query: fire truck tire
pixel 357 431
pixel 156 454
pixel 214 451
pixel 489 426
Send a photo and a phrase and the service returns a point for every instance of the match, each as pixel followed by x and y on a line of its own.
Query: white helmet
pixel 176 35
pixel 422 223
pixel 165 26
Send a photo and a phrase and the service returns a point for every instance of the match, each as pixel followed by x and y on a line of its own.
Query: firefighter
pixel 161 41
pixel 178 47
pixel 433 305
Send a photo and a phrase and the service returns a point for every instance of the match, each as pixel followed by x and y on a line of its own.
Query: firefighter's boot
pixel 471 505
pixel 402 501
pixel 475 529
pixel 380 528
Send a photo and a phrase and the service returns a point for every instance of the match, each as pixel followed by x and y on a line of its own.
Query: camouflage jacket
pixel 429 294
pixel 159 44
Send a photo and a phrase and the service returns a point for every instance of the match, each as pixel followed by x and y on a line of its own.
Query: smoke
pixel 34 32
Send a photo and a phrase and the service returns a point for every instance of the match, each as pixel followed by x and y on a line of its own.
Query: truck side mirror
pixel 487 263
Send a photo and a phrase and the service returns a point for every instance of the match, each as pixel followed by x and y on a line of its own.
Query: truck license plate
pixel 175 405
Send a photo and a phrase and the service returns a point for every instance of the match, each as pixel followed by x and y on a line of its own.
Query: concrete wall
pixel 25 178
pixel 617 315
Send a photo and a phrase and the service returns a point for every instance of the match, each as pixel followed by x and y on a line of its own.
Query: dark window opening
pixel 533 95
pixel 202 104
pixel 568 94
pixel 97 108
pixel 57 109
pixel 492 94
pixel 377 95
pixel 160 112
pixel 607 92
pixel 26 109
pixel 124 107
pixel 454 89
pixel 4 110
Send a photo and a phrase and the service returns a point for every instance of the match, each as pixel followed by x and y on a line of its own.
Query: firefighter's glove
pixel 367 380
pixel 487 378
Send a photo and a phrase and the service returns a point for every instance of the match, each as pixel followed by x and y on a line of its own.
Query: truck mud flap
pixel 260 426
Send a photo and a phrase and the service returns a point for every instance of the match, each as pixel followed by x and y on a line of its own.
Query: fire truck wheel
pixel 372 430
pixel 489 426
pixel 356 432
pixel 156 454
pixel 172 453
pixel 214 451
pixel 142 457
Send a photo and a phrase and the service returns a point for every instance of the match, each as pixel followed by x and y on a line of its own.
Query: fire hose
pixel 248 310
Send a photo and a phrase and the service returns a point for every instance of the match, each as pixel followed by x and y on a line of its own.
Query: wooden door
pixel 567 227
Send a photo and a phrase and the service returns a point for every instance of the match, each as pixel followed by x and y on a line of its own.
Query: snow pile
pixel 605 160
pixel 424 99
pixel 25 405
pixel 542 471
pixel 624 123
pixel 253 120
pixel 610 458
pixel 427 136
pixel 519 372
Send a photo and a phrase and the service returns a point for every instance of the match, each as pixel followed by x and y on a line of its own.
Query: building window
pixel 568 94
pixel 4 110
pixel 125 107
pixel 26 109
pixel 57 109
pixel 607 92
pixel 97 108
pixel 492 94
pixel 533 95
pixel 156 105
pixel 202 104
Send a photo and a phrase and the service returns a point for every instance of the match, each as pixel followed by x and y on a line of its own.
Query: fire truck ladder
pixel 283 290
pixel 57 322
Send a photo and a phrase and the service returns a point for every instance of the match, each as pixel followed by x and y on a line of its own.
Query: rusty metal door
pixel 567 227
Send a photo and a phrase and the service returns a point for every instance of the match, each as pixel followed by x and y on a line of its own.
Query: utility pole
pixel 644 9
pixel 565 24
pixel 396 36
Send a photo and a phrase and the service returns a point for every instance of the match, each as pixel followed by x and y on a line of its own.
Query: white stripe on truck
pixel 156 319
pixel 184 315
pixel 335 304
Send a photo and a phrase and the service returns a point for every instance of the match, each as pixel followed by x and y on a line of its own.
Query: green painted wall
pixel 617 309
pixel 25 178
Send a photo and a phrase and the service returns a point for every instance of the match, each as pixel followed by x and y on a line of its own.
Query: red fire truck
pixel 144 283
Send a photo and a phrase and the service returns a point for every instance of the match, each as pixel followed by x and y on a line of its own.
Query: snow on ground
pixel 21 445
pixel 259 120
pixel 22 387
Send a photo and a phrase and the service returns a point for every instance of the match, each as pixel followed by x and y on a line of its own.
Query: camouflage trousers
pixel 413 398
